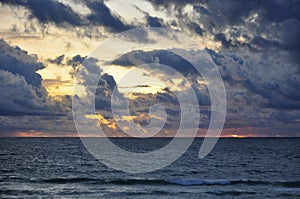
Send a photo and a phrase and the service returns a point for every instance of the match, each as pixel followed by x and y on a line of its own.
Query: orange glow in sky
pixel 237 136
pixel 40 134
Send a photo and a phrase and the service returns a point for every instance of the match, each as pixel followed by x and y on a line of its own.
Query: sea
pixel 235 168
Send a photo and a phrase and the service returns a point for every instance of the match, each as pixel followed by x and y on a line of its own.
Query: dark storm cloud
pixel 194 26
pixel 49 11
pixel 260 69
pixel 280 10
pixel 18 62
pixel 18 98
pixel 222 38
pixel 25 106
pixel 21 90
pixel 277 20
pixel 53 11
pixel 150 20
pixel 256 93
pixel 281 95
pixel 260 42
pixel 228 12
pixel 234 11
pixel 157 56
pixel 154 21
pixel 101 15
pixel 24 102
pixel 279 89
pixel 254 97
pixel 281 37
pixel 258 61
pixel 104 91
pixel 289 34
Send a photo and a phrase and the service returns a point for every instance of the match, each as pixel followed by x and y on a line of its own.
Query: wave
pixel 232 192
pixel 179 182
pixel 273 183
pixel 288 191
pixel 183 182
pixel 199 182
pixel 62 180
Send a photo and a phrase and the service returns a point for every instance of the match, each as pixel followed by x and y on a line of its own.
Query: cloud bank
pixel 255 45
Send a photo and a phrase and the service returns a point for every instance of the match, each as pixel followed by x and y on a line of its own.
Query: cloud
pixel 255 92
pixel 49 11
pixel 22 92
pixel 74 62
pixel 58 60
pixel 196 28
pixel 258 59
pixel 62 15
pixel 238 24
pixel 104 91
pixel 101 15
pixel 258 88
pixel 257 97
pixel 24 102
pixel 154 21
pixel 28 124
pixel 156 56
pixel 19 98
pixel 222 38
pixel 17 61
pixel 62 60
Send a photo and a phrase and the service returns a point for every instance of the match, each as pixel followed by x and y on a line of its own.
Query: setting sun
pixel 237 136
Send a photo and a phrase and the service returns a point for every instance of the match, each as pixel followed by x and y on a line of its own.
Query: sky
pixel 254 44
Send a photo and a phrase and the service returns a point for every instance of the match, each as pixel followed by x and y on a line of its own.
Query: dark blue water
pixel 236 168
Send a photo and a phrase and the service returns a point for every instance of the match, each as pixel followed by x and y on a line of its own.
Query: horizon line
pixel 226 137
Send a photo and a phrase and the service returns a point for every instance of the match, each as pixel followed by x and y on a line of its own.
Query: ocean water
pixel 236 168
